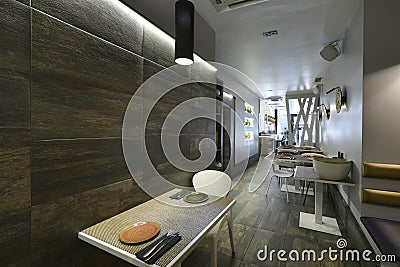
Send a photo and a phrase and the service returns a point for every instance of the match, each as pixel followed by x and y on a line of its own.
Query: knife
pixel 162 240
pixel 159 246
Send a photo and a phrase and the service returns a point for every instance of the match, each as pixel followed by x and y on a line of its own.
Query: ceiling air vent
pixel 270 33
pixel 227 5
pixel 274 98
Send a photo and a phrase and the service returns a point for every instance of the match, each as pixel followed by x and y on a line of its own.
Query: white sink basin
pixel 332 169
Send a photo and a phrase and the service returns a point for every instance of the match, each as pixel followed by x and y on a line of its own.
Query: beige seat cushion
pixel 380 170
pixel 381 197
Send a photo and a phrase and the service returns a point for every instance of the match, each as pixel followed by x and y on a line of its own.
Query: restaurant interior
pixel 199 133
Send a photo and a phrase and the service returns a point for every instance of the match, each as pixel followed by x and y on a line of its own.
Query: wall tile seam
pixel 22 3
pixel 31 256
pixel 27 74
pixel 15 128
pixel 30 124
pixel 88 190
pixel 77 194
pixel 76 139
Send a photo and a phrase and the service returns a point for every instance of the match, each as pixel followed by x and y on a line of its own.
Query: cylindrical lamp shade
pixel 184 32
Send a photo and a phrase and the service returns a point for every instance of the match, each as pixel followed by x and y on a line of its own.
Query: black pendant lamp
pixel 184 32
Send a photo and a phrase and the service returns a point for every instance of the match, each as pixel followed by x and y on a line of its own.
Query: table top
pixel 308 174
pixel 294 160
pixel 192 222
pixel 298 149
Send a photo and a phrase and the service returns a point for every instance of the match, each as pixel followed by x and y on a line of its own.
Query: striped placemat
pixel 188 221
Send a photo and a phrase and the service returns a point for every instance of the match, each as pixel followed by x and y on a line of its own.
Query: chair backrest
pixel 275 167
pixel 212 182
pixel 288 167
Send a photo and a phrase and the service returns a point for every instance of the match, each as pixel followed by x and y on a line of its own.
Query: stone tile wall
pixel 68 70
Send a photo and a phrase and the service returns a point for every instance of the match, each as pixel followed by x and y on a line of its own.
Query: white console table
pixel 316 221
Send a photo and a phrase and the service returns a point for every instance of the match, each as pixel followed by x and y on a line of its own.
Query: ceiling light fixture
pixel 184 32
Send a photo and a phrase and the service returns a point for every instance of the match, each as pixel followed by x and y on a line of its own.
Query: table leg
pixel 230 226
pixel 297 185
pixel 292 189
pixel 319 189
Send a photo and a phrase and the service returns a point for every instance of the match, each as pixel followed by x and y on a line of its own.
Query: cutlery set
pixel 155 250
pixel 180 194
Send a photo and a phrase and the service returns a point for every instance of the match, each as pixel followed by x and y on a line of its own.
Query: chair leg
pixel 270 180
pixel 230 225
pixel 305 196
pixel 329 191
pixel 287 191
pixel 213 250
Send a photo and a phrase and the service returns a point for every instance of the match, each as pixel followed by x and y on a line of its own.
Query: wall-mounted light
pixel 184 32
pixel 341 97
pixel 325 111
pixel 332 50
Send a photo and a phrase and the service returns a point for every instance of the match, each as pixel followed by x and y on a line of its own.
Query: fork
pixel 161 245
pixel 158 243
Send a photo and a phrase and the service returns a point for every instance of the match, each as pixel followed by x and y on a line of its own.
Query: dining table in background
pixel 299 149
pixel 192 221
pixel 292 161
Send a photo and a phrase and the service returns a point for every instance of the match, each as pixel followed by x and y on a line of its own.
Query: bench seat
pixel 386 234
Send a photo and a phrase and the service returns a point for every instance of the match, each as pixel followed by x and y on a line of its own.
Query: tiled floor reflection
pixel 260 220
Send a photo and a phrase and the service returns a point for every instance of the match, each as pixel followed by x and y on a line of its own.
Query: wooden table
pixel 193 222
pixel 316 221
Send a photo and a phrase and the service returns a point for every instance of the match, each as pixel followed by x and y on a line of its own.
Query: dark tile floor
pixel 268 220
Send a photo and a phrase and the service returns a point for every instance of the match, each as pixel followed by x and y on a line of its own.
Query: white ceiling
pixel 289 60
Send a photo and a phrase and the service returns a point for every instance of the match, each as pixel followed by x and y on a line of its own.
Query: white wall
pixel 369 129
pixel 382 82
pixel 381 132
pixel 343 131
pixel 381 116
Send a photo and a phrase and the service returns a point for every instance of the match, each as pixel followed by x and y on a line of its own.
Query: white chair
pixel 281 174
pixel 219 184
